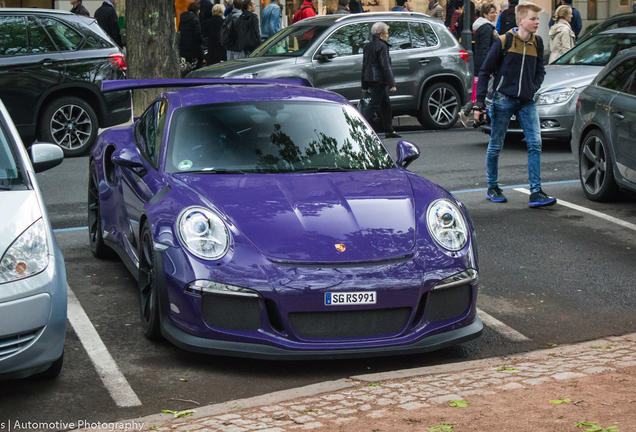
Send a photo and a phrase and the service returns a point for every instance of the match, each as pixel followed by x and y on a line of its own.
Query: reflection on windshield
pixel 10 175
pixel 291 42
pixel 597 51
pixel 273 137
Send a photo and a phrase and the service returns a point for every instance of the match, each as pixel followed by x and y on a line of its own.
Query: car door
pixel 30 65
pixel 623 123
pixel 138 188
pixel 343 74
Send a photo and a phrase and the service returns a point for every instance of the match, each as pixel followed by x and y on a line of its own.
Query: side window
pixel 618 77
pixel 632 87
pixel 418 38
pixel 399 36
pixel 431 37
pixel 94 42
pixel 349 40
pixel 64 37
pixel 13 36
pixel 39 41
pixel 149 131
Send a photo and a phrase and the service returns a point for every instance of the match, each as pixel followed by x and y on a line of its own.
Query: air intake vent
pixel 10 345
pixel 448 303
pixel 232 312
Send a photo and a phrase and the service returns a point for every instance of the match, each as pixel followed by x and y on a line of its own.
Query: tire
pixel 53 371
pixel 148 292
pixel 596 168
pixel 69 122
pixel 440 107
pixel 98 246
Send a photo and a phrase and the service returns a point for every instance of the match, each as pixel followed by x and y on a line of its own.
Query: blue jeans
pixel 502 108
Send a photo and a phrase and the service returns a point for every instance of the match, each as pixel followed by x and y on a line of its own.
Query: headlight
pixel 555 96
pixel 447 225
pixel 28 255
pixel 203 233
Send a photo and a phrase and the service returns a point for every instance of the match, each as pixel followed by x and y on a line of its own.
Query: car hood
pixel 239 67
pixel 21 210
pixel 558 76
pixel 302 217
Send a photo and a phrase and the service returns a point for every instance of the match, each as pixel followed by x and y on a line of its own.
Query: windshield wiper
pixel 325 169
pixel 213 171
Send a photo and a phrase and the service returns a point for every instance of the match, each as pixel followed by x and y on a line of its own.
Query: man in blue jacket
pixel 271 20
pixel 576 23
pixel 518 70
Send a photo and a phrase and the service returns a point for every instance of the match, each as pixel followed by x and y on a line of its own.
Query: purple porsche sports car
pixel 264 218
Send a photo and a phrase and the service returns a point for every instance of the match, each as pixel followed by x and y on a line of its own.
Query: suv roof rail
pixel 388 14
pixel 36 10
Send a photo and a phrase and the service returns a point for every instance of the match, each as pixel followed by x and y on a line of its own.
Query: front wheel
pixel 98 246
pixel 71 123
pixel 440 107
pixel 148 292
pixel 596 168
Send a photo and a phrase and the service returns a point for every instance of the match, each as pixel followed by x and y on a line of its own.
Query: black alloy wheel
pixel 440 107
pixel 596 168
pixel 98 246
pixel 71 123
pixel 148 292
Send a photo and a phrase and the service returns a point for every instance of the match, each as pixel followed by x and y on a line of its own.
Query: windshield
pixel 291 42
pixel 272 137
pixel 10 173
pixel 597 51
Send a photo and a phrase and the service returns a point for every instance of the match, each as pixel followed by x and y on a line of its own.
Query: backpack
pixel 508 43
pixel 299 13
pixel 508 21
pixel 228 32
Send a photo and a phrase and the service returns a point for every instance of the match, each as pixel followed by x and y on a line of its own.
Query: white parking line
pixel 608 218
pixel 111 376
pixel 501 328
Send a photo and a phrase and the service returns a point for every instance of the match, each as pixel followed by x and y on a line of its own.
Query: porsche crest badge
pixel 340 247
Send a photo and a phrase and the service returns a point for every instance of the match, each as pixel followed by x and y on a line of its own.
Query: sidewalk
pixel 502 394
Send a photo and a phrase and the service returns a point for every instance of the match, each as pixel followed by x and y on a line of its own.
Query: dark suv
pixel 431 69
pixel 51 65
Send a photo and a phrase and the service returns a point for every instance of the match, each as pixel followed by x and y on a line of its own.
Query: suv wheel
pixel 71 123
pixel 440 107
pixel 596 168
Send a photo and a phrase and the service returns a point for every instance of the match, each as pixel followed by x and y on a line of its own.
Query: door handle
pixel 424 61
pixel 618 116
pixel 47 62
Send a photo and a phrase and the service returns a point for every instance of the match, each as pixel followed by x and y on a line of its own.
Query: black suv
pixel 51 66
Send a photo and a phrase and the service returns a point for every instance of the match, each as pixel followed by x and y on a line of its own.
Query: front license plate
pixel 350 298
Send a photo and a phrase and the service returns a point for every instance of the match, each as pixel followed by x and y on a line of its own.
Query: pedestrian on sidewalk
pixel 507 20
pixel 79 8
pixel 306 10
pixel 271 21
pixel 377 78
pixel 343 7
pixel 399 6
pixel 216 52
pixel 106 17
pixel 576 23
pixel 230 41
pixel 249 33
pixel 519 71
pixel 190 38
pixel 561 34
pixel 485 34
pixel 435 10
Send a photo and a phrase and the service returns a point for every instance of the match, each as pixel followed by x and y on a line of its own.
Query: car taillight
pixel 119 61
pixel 463 54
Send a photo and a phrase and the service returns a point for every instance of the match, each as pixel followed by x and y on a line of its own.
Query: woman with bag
pixel 249 34
pixel 377 78
pixel 561 34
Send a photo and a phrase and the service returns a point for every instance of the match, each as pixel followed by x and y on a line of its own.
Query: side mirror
pixel 45 156
pixel 407 152
pixel 129 158
pixel 327 55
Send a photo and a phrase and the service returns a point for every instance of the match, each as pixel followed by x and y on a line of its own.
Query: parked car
pixel 434 78
pixel 32 273
pixel 568 76
pixel 617 21
pixel 604 130
pixel 51 64
pixel 263 218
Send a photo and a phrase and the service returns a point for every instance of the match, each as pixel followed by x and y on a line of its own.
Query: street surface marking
pixel 513 186
pixel 111 376
pixel 501 328
pixel 617 221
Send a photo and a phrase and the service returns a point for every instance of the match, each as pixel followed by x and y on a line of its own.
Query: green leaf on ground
pixel 603 347
pixel 307 410
pixel 373 384
pixel 236 407
pixel 179 414
pixel 153 428
pixel 552 345
pixel 505 368
pixel 441 428
pixel 459 403
pixel 560 401
pixel 582 424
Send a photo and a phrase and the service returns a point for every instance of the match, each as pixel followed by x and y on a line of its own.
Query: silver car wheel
pixel 442 106
pixel 71 127
pixel 593 165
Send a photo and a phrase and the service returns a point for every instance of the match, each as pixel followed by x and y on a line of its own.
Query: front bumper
pixel 33 321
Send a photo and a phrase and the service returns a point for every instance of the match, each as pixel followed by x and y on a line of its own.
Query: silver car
pixel 604 129
pixel 432 71
pixel 568 76
pixel 32 275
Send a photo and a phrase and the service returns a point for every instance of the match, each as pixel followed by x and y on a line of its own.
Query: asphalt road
pixel 556 275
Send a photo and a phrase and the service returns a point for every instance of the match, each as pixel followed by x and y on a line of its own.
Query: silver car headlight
pixel 447 225
pixel 28 255
pixel 203 233
pixel 555 96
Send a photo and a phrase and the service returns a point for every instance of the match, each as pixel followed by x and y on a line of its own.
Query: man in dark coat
pixel 79 8
pixel 205 8
pixel 249 34
pixel 378 79
pixel 107 19
pixel 190 39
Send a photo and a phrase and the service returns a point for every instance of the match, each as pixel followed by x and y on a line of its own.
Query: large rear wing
pixel 137 84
